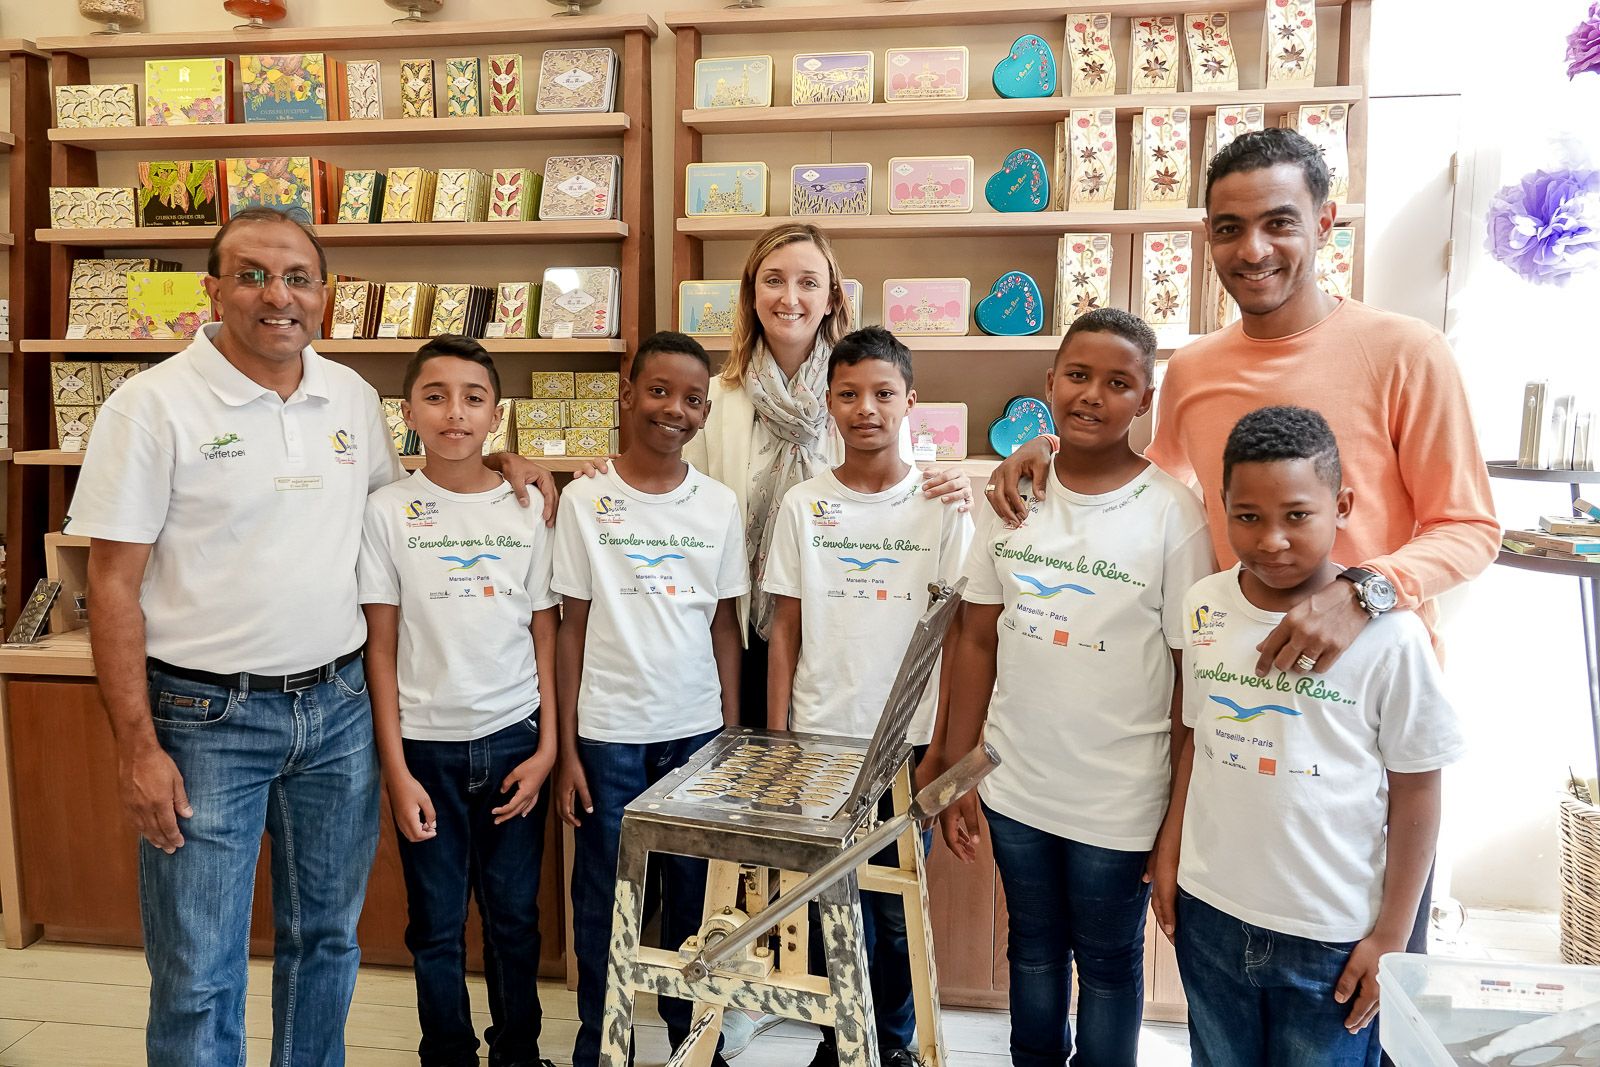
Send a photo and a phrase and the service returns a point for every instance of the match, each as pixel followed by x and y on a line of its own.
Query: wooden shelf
pixel 7 142
pixel 403 346
pixel 5 348
pixel 997 112
pixel 58 654
pixel 932 13
pixel 7 240
pixel 356 235
pixel 47 457
pixel 243 138
pixel 975 224
pixel 5 455
pixel 1033 344
pixel 19 46
pixel 401 36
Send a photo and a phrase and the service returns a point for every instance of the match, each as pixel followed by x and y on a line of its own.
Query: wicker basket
pixel 1580 882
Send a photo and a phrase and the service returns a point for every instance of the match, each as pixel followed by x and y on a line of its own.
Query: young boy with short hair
pixel 650 564
pixel 853 553
pixel 454 579
pixel 1071 624
pixel 1310 803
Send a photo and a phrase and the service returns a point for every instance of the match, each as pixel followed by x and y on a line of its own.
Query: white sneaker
pixel 739 1029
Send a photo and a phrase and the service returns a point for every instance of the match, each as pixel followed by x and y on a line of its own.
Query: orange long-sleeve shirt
pixel 1389 388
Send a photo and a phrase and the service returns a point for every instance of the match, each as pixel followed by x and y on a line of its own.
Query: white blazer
pixel 722 451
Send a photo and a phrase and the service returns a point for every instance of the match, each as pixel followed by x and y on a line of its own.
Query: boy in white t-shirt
pixel 853 553
pixel 1311 811
pixel 650 564
pixel 1071 623
pixel 454 579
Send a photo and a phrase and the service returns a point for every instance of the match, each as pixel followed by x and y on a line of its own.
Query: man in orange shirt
pixel 1387 384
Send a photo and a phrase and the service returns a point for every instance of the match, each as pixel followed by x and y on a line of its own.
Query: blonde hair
pixel 747 325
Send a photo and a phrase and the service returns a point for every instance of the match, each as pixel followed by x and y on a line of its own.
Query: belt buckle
pixel 295 683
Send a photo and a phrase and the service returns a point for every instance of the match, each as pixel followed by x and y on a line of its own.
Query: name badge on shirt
pixel 294 482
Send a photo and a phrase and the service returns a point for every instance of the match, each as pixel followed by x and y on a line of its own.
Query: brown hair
pixel 747 326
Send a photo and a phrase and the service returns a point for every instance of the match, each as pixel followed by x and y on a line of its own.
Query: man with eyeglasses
pixel 223 491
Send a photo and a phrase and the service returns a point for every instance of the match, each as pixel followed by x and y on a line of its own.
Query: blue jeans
pixel 617 773
pixel 1258 998
pixel 499 865
pixel 300 766
pixel 883 927
pixel 1068 900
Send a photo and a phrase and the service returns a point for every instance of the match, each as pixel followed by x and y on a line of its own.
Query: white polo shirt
pixel 253 505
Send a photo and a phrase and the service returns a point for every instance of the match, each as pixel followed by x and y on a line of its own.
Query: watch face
pixel 1379 594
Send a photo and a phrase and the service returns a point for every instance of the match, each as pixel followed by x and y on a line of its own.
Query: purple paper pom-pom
pixel 1547 226
pixel 1583 45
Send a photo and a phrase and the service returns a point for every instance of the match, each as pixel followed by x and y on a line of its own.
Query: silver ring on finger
pixel 1306 662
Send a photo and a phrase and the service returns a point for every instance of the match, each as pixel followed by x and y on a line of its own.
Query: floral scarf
pixel 792 434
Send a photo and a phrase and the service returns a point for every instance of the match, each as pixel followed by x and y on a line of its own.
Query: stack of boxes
pixel 568 414
pixel 78 390
pixel 97 298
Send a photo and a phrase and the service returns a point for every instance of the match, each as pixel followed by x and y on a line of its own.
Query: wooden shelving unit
pixel 107 908
pixel 625 241
pixel 997 112
pixel 851 133
pixel 981 371
pixel 27 263
pixel 242 137
pixel 977 224
pixel 353 235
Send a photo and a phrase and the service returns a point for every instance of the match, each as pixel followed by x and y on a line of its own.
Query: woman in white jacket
pixel 769 428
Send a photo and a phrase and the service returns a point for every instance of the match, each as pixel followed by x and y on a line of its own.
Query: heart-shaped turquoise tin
pixel 1025 418
pixel 1021 183
pixel 1013 308
pixel 1028 70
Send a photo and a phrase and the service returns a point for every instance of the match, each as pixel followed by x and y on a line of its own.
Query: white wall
pixel 1516 661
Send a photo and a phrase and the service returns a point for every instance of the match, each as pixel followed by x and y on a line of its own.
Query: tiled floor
pixel 66 1004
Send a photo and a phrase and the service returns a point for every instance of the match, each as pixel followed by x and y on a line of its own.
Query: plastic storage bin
pixel 1431 1005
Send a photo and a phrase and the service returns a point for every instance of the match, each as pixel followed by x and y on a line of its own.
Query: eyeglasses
pixel 260 279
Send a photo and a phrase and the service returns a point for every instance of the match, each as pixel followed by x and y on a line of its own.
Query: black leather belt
pixel 271 683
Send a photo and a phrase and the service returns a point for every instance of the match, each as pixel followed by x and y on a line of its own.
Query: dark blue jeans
pixel 883 927
pixel 1258 998
pixel 617 773
pixel 1071 901
pixel 498 865
pixel 300 766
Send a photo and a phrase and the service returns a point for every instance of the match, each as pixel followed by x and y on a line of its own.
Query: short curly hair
pixel 1129 327
pixel 1270 435
pixel 1261 149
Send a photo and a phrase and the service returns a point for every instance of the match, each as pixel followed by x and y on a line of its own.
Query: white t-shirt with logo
pixel 1289 800
pixel 467 570
pixel 252 505
pixel 1092 588
pixel 654 567
pixel 860 564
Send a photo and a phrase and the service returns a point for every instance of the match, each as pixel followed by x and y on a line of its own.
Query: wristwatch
pixel 1374 592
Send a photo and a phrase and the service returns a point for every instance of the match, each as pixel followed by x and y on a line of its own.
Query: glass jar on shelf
pixel 415 9
pixel 114 14
pixel 257 12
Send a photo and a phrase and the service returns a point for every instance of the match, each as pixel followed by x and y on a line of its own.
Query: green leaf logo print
pixel 218 448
